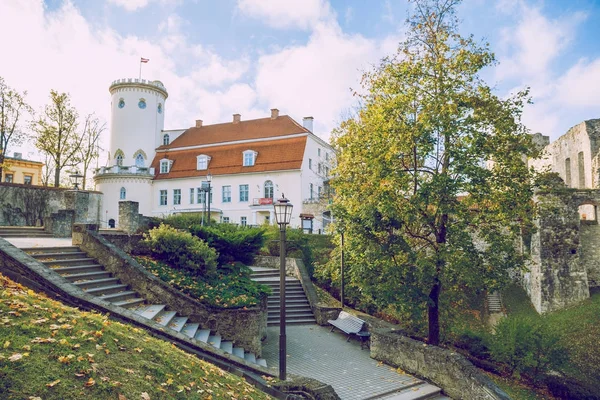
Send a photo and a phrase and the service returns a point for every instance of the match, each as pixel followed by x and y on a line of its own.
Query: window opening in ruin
pixel 581 167
pixel 588 213
pixel 568 172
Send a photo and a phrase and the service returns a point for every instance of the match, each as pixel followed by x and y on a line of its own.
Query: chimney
pixel 237 118
pixel 198 123
pixel 274 113
pixel 307 122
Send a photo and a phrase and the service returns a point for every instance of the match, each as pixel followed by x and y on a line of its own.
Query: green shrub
pixel 474 342
pixel 232 242
pixel 181 250
pixel 527 345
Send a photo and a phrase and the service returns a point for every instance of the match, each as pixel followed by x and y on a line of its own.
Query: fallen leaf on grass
pixel 15 357
pixel 6 344
pixel 145 396
pixel 90 382
pixel 121 397
pixel 52 384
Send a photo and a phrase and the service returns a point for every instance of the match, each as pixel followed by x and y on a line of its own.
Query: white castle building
pixel 249 163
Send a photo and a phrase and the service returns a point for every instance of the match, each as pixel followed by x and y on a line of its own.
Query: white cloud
pixel 315 79
pixel 130 5
pixel 303 14
pixel 580 85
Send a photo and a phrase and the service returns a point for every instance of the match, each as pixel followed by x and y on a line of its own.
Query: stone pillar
pixel 60 223
pixel 129 216
pixel 79 231
pixel 558 275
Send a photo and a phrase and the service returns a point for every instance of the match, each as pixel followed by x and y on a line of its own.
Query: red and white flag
pixel 144 60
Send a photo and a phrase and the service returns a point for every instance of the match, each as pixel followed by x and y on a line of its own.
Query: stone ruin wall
pixel 26 205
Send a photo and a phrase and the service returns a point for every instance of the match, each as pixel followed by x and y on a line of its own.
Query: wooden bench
pixel 351 325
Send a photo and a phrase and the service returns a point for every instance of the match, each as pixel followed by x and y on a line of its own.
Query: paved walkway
pixel 23 243
pixel 315 352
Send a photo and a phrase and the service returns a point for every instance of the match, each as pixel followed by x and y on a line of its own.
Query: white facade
pixel 238 198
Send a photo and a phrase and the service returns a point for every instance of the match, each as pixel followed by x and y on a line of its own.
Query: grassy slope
pixel 579 327
pixel 51 351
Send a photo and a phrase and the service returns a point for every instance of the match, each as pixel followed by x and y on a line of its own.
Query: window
pixel 165 166
pixel 319 152
pixel 27 179
pixel 120 160
pixel 268 189
pixel 121 103
pixel 176 196
pixel 8 178
pixel 319 192
pixel 200 196
pixel 319 168
pixel 225 220
pixel 226 191
pixel 123 194
pixel 202 162
pixel 142 104
pixel 581 167
pixel 568 172
pixel 244 190
pixel 249 158
pixel 311 191
pixel 192 196
pixel 326 156
pixel 163 197
pixel 166 139
pixel 159 108
pixel 139 160
pixel 243 221
pixel 310 163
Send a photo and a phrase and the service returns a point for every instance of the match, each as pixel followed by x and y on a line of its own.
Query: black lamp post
pixel 209 180
pixel 75 176
pixel 283 215
pixel 341 229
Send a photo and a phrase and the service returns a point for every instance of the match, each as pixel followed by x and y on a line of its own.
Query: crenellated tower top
pixel 138 83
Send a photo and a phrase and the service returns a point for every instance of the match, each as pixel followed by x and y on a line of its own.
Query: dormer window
pixel 202 162
pixel 165 165
pixel 166 139
pixel 249 158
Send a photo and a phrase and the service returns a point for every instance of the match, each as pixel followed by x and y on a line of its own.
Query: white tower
pixel 137 120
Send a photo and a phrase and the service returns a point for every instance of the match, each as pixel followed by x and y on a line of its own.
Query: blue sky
pixel 217 58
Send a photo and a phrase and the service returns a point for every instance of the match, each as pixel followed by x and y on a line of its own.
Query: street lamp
pixel 209 180
pixel 341 230
pixel 75 176
pixel 283 215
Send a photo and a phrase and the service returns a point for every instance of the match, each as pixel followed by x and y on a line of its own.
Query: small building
pixel 18 170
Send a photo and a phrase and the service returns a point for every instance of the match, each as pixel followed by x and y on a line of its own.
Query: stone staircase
pixel 23 232
pixel 494 302
pixel 87 274
pixel 297 307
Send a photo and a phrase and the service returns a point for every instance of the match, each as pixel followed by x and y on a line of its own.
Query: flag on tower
pixel 144 60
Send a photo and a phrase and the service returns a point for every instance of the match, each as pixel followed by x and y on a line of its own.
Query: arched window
pixel 123 194
pixel 119 160
pixel 139 160
pixel 166 139
pixel 268 190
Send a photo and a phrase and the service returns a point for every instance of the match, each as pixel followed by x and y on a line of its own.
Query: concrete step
pixel 70 262
pixel 227 346
pixel 150 311
pixel 106 289
pixel 120 296
pixel 238 352
pixel 419 392
pixel 303 321
pixel 52 250
pixel 96 283
pixel 79 269
pixel 290 306
pixel 215 340
pixel 24 235
pixel 178 323
pixel 203 335
pixel 190 329
pixel 262 361
pixel 129 303
pixel 59 256
pixel 250 358
pixel 290 315
pixel 165 317
pixel 86 276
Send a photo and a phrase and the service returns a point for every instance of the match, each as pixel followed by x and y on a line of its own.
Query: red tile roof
pixel 273 155
pixel 283 125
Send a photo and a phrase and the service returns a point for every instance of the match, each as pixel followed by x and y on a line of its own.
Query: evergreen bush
pixel 181 250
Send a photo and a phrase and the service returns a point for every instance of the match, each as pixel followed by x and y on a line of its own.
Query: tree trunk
pixel 56 177
pixel 434 314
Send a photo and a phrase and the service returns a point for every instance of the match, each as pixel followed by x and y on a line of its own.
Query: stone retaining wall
pixel 245 327
pixel 295 267
pixel 457 377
